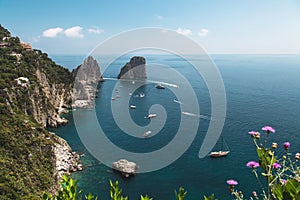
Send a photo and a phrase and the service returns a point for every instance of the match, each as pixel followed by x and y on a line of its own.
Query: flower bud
pixel 274 145
pixel 284 157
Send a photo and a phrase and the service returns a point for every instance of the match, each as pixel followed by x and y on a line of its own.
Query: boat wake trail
pixel 196 115
pixel 150 81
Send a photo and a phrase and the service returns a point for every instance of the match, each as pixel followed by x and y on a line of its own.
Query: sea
pixel 260 90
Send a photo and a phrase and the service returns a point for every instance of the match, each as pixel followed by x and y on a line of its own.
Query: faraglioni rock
pixel 126 167
pixel 134 69
pixel 86 79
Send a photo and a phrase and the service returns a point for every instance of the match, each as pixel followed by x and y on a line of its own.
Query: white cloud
pixel 203 32
pixel 159 17
pixel 183 31
pixel 74 32
pixel 52 32
pixel 95 30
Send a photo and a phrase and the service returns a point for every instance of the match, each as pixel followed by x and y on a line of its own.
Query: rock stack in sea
pixel 66 161
pixel 86 79
pixel 126 167
pixel 134 69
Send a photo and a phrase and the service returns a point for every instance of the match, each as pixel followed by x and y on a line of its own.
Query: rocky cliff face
pixel 34 91
pixel 86 79
pixel 134 69
pixel 41 99
pixel 66 160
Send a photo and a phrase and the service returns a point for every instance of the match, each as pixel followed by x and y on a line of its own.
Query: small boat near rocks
pixel 159 86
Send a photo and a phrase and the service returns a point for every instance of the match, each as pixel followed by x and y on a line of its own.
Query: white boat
pixel 147 133
pixel 113 98
pixel 176 101
pixel 118 96
pixel 159 86
pixel 151 116
pixel 141 95
pixel 221 153
pixel 132 106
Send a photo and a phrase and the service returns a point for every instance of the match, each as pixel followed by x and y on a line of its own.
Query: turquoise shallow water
pixel 261 90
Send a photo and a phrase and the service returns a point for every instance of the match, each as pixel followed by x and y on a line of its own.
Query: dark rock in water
pixel 87 76
pixel 126 167
pixel 134 69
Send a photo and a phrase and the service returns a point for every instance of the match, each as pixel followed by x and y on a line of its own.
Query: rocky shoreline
pixel 66 160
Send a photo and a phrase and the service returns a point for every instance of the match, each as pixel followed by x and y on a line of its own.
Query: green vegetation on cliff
pixel 26 158
pixel 17 61
pixel 26 149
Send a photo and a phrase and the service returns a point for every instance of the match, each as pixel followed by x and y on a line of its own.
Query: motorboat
pixel 147 134
pixel 132 106
pixel 151 116
pixel 159 86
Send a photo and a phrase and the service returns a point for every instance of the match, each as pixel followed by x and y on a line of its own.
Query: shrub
pixel 280 173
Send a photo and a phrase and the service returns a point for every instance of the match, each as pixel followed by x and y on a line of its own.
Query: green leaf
pixel 181 194
pixel 211 197
pixel 293 188
pixel 145 197
pixel 90 197
pixel 278 191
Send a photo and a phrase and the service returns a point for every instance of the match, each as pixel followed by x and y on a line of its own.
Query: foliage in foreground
pixel 280 174
pixel 69 191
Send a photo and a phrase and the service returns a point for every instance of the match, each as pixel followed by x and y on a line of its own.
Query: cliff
pixel 32 84
pixel 134 69
pixel 86 78
pixel 33 93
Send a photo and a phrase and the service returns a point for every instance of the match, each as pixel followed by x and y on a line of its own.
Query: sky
pixel 219 26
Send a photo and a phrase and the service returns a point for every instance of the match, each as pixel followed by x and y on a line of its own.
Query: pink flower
pixel 232 182
pixel 268 129
pixel 276 165
pixel 252 164
pixel 283 181
pixel 252 133
pixel 286 145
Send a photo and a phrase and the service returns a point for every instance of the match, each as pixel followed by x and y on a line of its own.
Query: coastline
pixel 66 160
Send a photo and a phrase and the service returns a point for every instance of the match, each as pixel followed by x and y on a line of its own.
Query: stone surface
pixel 66 161
pixel 134 69
pixel 126 167
pixel 44 100
pixel 87 76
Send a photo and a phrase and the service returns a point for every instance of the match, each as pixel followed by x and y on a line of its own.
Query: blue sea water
pixel 261 90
